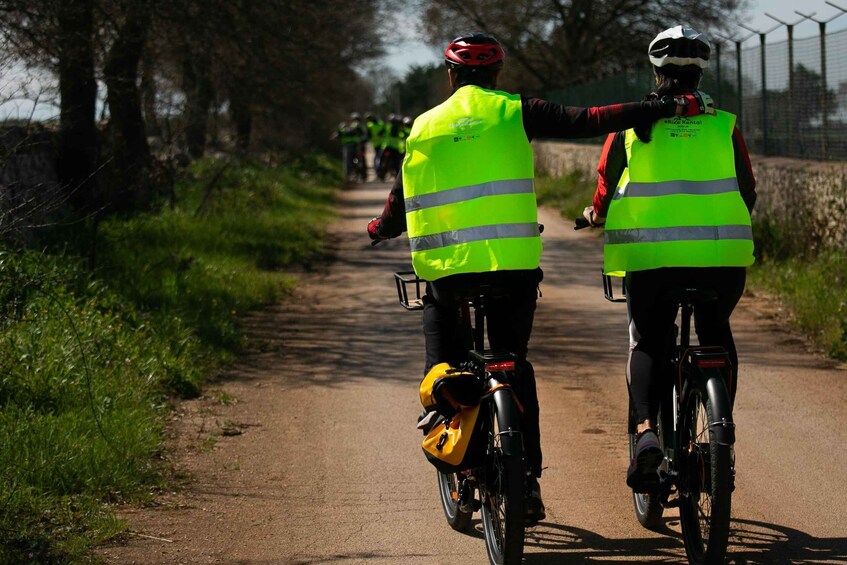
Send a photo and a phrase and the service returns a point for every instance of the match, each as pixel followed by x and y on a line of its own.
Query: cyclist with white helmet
pixel 675 198
pixel 466 196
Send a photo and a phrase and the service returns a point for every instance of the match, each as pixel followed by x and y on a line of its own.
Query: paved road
pixel 318 460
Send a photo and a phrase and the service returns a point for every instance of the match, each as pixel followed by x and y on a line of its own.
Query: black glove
pixel 374 227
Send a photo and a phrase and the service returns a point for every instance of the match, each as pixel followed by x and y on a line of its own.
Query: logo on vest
pixel 679 127
pixel 464 129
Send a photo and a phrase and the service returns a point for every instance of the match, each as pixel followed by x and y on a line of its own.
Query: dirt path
pixel 306 451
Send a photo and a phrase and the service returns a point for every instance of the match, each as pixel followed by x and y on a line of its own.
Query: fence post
pixel 764 97
pixel 824 113
pixel 791 118
pixel 738 79
pixel 824 109
pixel 718 73
pixel 762 35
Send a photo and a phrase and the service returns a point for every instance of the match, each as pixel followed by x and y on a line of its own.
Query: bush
pixel 88 360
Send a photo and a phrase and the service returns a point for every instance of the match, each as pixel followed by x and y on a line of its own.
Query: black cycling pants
pixel 509 321
pixel 652 326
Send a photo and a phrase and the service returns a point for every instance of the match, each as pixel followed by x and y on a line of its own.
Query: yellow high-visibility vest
pixel 468 187
pixel 677 204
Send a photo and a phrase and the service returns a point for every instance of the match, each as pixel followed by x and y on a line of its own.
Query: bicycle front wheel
pixel 502 504
pixel 705 489
pixel 448 488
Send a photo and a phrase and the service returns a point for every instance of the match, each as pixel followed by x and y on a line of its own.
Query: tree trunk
pixel 148 96
pixel 78 141
pixel 199 93
pixel 241 115
pixel 131 152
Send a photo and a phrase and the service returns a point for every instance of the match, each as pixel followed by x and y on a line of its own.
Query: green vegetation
pixel 812 287
pixel 569 194
pixel 90 360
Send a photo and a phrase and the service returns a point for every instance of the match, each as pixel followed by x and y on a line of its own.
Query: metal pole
pixel 824 109
pixel 764 97
pixel 762 36
pixel 738 77
pixel 823 94
pixel 718 100
pixel 791 118
pixel 791 90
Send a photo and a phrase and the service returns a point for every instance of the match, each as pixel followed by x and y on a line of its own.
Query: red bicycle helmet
pixel 475 50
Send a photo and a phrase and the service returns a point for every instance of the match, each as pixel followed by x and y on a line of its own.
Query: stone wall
pixel 804 201
pixel 29 180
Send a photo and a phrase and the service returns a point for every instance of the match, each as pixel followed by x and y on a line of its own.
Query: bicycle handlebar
pixel 580 223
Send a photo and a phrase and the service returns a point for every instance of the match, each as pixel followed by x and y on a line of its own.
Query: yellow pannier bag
pixel 445 389
pixel 456 444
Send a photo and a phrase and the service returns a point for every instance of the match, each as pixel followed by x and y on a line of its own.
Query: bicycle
pixel 499 481
pixel 697 434
pixel 390 161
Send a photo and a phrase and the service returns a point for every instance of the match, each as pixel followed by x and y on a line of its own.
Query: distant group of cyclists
pixel 386 137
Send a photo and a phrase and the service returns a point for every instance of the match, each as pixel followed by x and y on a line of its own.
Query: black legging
pixel 509 321
pixel 652 321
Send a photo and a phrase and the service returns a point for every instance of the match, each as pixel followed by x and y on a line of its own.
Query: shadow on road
pixel 751 542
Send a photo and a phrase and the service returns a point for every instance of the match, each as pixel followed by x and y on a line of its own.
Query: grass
pixel 813 286
pixel 815 292
pixel 569 194
pixel 90 360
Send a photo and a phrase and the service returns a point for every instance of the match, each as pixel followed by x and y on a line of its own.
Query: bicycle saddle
pixel 690 295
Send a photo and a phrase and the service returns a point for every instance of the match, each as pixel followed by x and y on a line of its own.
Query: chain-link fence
pixel 790 96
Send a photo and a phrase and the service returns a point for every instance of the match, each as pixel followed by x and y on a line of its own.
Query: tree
pixel 556 43
pixel 121 74
pixel 59 36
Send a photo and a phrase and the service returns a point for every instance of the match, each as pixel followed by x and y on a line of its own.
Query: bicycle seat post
pixel 479 322
pixel 685 323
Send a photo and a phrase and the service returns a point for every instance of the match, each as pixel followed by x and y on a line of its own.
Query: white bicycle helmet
pixel 681 47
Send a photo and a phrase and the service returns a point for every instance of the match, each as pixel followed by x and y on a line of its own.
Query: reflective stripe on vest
pixel 518 186
pixel 468 187
pixel 678 203
pixel 468 235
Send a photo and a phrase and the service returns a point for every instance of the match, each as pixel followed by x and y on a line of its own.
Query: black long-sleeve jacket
pixel 548 120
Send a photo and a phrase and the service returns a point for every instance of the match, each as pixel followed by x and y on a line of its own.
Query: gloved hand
pixel 374 227
pixel 592 219
pixel 694 103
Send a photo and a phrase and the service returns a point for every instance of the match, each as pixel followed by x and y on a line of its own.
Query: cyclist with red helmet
pixel 678 196
pixel 466 197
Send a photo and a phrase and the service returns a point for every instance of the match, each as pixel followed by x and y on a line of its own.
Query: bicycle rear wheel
pixel 648 506
pixel 705 489
pixel 502 504
pixel 448 488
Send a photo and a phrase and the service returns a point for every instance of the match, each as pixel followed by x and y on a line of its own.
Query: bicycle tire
pixel 448 489
pixel 503 500
pixel 705 493
pixel 648 507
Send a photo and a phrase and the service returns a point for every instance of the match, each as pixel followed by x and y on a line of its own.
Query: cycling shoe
pixel 643 473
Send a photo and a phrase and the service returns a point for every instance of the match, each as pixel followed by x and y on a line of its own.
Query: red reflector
pixel 711 363
pixel 503 366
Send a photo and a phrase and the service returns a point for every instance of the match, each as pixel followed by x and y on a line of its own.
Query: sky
pixel 417 53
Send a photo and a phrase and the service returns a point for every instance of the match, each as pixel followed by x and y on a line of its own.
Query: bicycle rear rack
pixel 608 288
pixel 403 280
